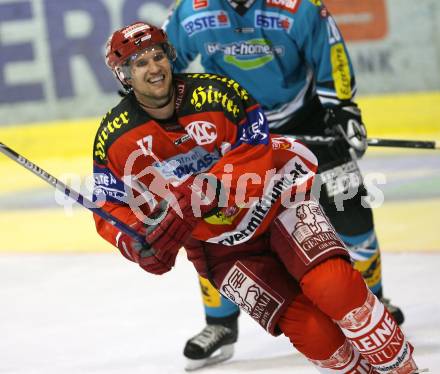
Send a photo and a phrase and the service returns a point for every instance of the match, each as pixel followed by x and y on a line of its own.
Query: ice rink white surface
pixel 98 313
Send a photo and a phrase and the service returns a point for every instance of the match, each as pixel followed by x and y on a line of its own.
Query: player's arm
pixel 110 192
pixel 324 49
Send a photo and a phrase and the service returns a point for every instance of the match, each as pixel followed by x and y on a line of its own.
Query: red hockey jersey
pixel 217 128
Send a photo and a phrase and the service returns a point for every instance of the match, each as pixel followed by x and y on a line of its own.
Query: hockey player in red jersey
pixel 187 160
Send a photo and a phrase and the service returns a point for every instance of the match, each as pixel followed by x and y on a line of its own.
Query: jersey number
pixel 333 32
pixel 146 145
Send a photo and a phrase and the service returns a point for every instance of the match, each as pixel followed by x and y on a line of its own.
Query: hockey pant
pixel 328 313
pixel 363 249
pixel 354 225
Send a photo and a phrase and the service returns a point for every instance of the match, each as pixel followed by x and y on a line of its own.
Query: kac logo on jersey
pixel 202 132
pixel 289 5
pixel 204 21
pixel 272 21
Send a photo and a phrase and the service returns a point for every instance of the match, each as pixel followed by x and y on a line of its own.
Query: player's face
pixel 151 77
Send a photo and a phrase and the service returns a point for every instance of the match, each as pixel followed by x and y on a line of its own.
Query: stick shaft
pixel 373 142
pixel 400 143
pixel 79 198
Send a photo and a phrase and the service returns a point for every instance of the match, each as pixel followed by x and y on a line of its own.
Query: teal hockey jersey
pixel 284 52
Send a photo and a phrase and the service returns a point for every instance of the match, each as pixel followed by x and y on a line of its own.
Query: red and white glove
pixel 187 204
pixel 155 262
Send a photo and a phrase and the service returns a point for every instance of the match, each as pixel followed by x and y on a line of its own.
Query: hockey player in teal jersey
pixel 290 55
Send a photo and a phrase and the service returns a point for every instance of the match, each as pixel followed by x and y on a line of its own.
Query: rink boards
pixel 32 219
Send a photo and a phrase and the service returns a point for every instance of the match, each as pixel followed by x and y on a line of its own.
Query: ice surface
pixel 99 313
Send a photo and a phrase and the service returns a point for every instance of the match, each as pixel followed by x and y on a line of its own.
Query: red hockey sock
pixel 311 332
pixel 318 338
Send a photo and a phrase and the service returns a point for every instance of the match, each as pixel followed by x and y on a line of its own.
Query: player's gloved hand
pixel 345 123
pixel 188 203
pixel 148 259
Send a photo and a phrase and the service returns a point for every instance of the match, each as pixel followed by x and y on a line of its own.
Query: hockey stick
pixel 80 199
pixel 373 142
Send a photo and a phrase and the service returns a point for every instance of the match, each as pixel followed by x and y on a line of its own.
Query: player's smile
pixel 151 77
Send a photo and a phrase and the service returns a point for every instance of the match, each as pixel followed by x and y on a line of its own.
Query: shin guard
pixel 319 339
pixel 339 291
pixel 375 333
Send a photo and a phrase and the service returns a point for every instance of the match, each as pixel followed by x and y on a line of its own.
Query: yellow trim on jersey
pixel 316 2
pixel 340 71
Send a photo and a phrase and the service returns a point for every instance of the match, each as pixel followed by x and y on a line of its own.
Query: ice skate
pixel 214 344
pixel 395 311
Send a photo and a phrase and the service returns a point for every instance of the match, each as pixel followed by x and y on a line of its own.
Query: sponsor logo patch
pixel 208 95
pixel 255 130
pixel 225 216
pixel 311 231
pixel 180 92
pixel 107 186
pixel 251 294
pixel 204 21
pixel 246 54
pixel 240 91
pixel 341 179
pixel 200 4
pixel 386 337
pixel 282 143
pixel 297 174
pixel 197 160
pixel 340 71
pixel 289 5
pixel 272 21
pixel 182 139
pixel 133 29
pixel 112 125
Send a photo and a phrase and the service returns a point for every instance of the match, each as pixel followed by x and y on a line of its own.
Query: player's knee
pixel 335 287
pixel 310 331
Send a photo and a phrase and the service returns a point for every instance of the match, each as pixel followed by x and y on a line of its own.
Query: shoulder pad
pixel 112 125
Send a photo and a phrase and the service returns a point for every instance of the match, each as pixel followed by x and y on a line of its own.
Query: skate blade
pixel 224 353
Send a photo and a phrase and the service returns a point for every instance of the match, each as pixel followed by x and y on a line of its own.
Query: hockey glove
pixel 188 203
pixel 154 262
pixel 345 123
